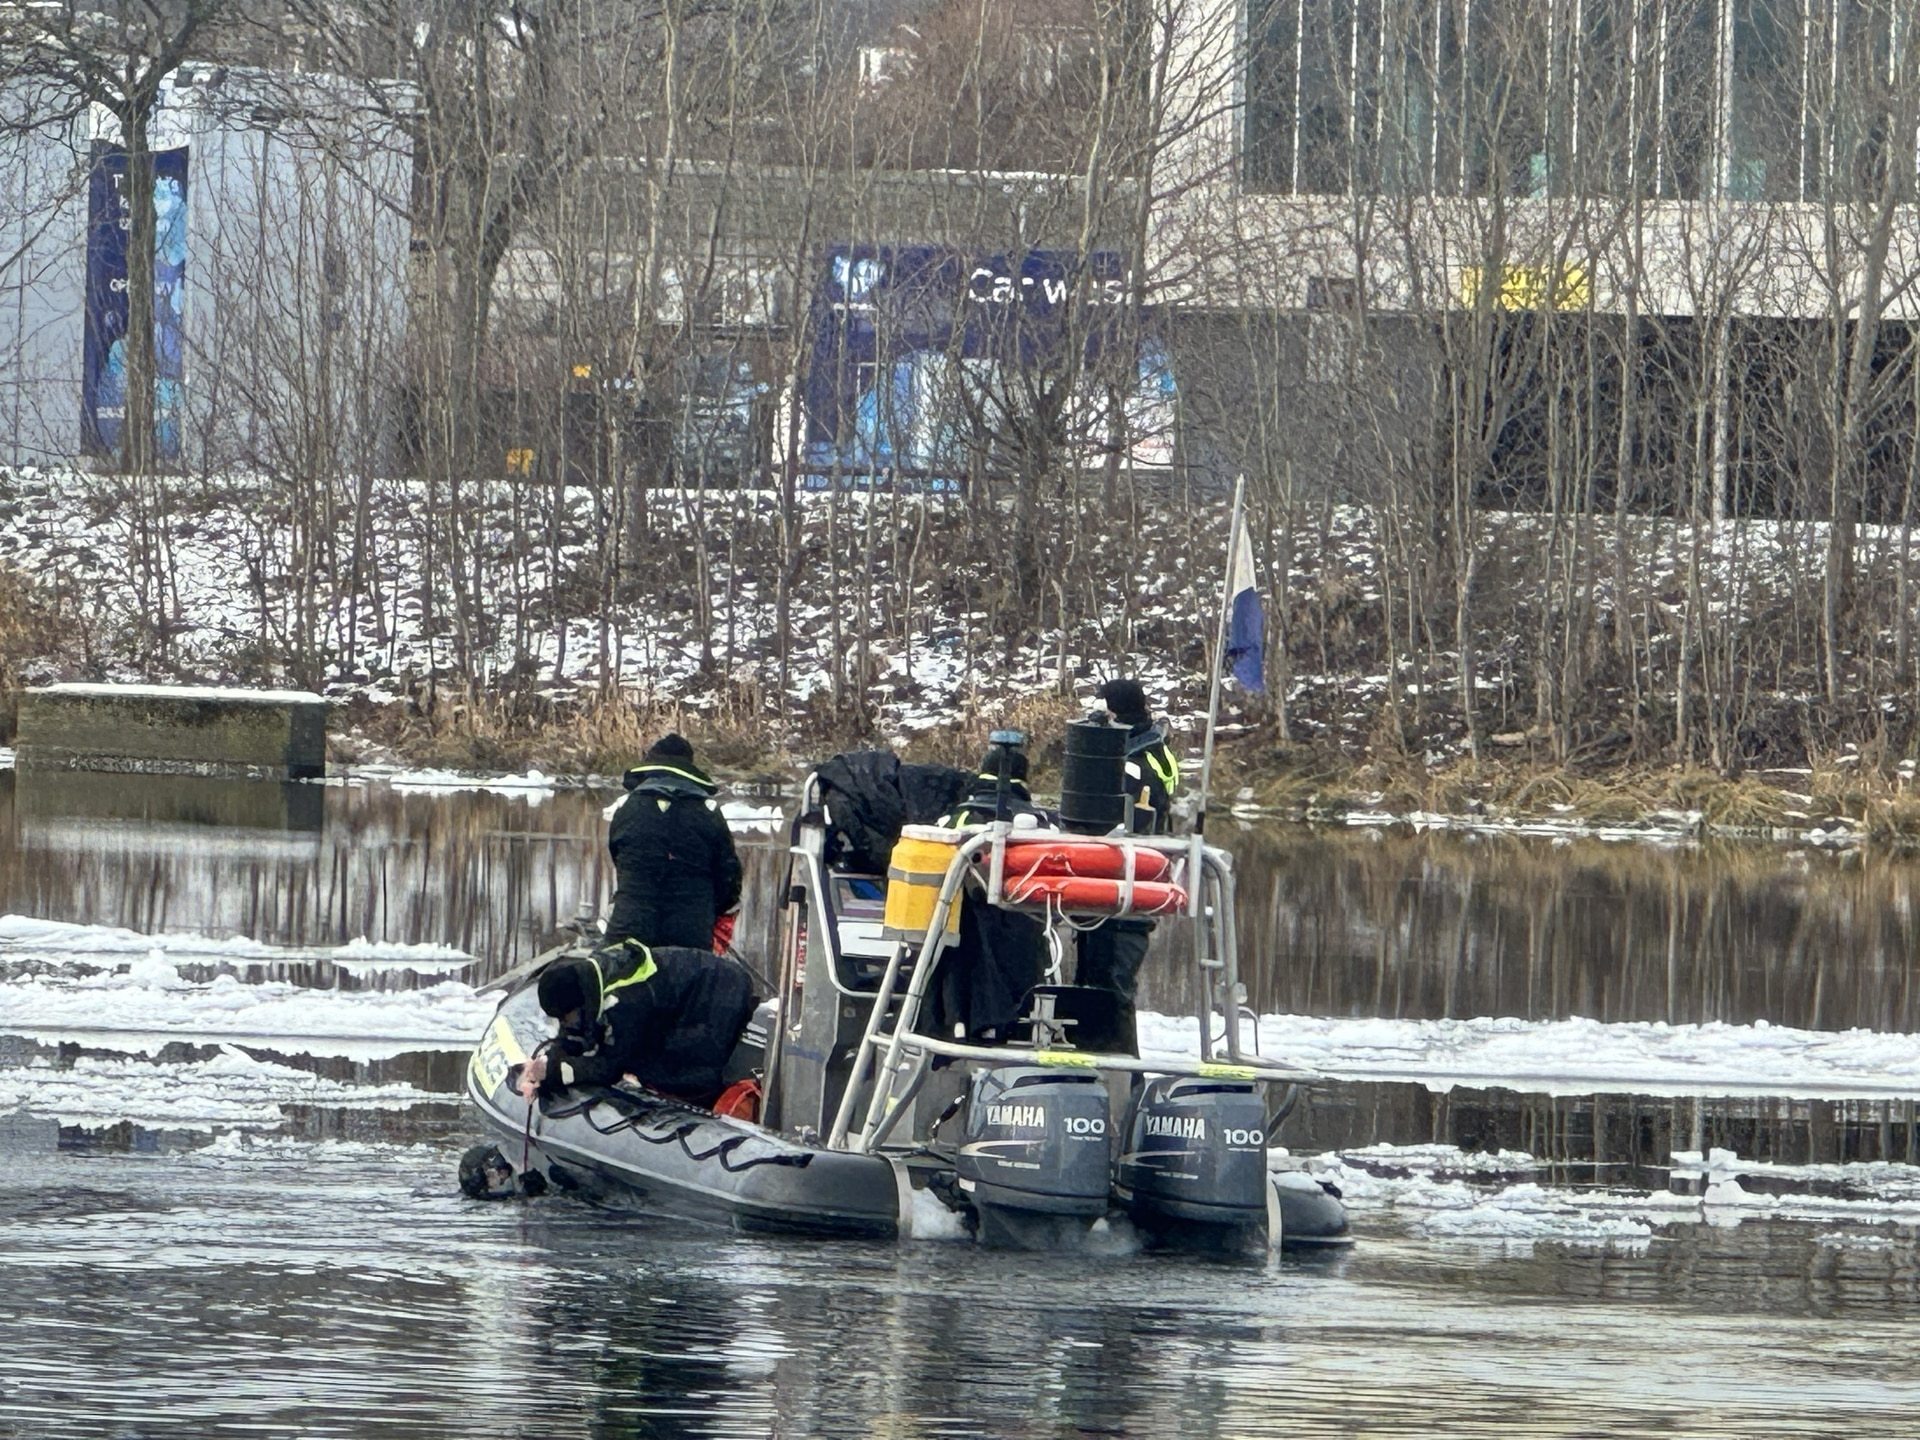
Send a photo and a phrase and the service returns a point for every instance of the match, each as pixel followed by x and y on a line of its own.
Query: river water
pixel 302 1265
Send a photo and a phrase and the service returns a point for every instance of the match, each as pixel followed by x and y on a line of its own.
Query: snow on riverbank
pixel 534 785
pixel 229 597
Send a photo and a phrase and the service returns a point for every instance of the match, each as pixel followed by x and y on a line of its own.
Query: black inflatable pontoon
pixel 632 1145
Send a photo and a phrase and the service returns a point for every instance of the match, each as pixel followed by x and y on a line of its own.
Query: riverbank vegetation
pixel 1691 678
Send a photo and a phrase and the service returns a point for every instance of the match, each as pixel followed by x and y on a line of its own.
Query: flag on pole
pixel 1246 653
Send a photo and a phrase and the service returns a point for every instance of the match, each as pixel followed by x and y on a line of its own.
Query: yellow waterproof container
pixel 915 871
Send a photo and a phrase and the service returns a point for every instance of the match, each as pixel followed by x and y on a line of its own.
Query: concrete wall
pixel 173 730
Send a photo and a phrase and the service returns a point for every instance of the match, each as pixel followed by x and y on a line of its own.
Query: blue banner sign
pixel 103 379
pixel 919 357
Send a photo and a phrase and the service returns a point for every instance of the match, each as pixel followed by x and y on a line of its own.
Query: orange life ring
pixel 1095 896
pixel 1087 859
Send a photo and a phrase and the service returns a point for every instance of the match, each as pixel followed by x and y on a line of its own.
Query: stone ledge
pixel 173 730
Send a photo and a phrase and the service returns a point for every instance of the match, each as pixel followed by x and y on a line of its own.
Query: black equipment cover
pixel 870 796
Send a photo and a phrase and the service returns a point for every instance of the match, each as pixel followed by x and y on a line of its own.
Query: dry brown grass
pixel 469 732
pixel 481 732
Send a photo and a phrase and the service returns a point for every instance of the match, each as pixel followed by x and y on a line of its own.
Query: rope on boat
pixel 690 1123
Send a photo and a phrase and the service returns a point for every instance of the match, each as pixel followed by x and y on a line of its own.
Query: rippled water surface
pixel 314 1272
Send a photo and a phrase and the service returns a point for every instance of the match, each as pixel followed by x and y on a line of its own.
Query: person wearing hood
pixel 669 1016
pixel 1112 952
pixel 676 873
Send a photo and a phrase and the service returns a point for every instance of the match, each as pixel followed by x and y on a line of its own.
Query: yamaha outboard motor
pixel 1194 1170
pixel 1036 1160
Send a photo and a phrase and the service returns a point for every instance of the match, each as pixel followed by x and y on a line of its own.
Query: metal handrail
pixel 885 1106
pixel 916 992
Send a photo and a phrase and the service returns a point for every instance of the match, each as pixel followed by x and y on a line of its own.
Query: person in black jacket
pixel 675 868
pixel 1000 955
pixel 1112 952
pixel 1153 772
pixel 667 1015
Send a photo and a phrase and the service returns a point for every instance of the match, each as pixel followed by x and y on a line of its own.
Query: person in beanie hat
pixel 675 869
pixel 982 981
pixel 667 1015
pixel 982 802
pixel 1153 773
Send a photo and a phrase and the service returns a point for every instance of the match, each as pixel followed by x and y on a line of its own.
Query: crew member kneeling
pixel 667 1015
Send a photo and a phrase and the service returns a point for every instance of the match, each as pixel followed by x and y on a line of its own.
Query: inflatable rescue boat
pixel 870 1090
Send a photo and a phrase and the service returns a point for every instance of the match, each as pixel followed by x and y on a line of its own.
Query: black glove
pixel 581 1039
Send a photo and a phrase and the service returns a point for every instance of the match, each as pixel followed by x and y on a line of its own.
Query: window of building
pixel 1411 73
pixel 1609 83
pixel 1750 100
pixel 1508 67
pixel 1688 43
pixel 1327 101
pixel 1859 158
pixel 1272 94
pixel 1767 103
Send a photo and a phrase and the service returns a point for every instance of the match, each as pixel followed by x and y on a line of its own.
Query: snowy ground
pixel 213 591
pixel 232 606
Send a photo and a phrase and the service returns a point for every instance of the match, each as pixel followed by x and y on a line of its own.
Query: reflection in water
pixel 1419 926
pixel 55 806
pixel 327 1281
pixel 1332 921
pixel 491 874
pixel 342 1291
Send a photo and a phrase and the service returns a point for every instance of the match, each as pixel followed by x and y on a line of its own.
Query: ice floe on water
pixel 1420 1185
pixel 138 1001
pixel 534 785
pixel 746 815
pixel 230 1089
pixel 1578 1056
pixel 743 817
pixel 144 993
pixel 24 937
pixel 147 1004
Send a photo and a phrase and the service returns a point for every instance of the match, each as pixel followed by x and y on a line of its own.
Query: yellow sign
pixel 497 1053
pixel 1227 1072
pixel 519 462
pixel 1531 287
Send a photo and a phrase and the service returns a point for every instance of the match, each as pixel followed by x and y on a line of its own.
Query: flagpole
pixel 1219 659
